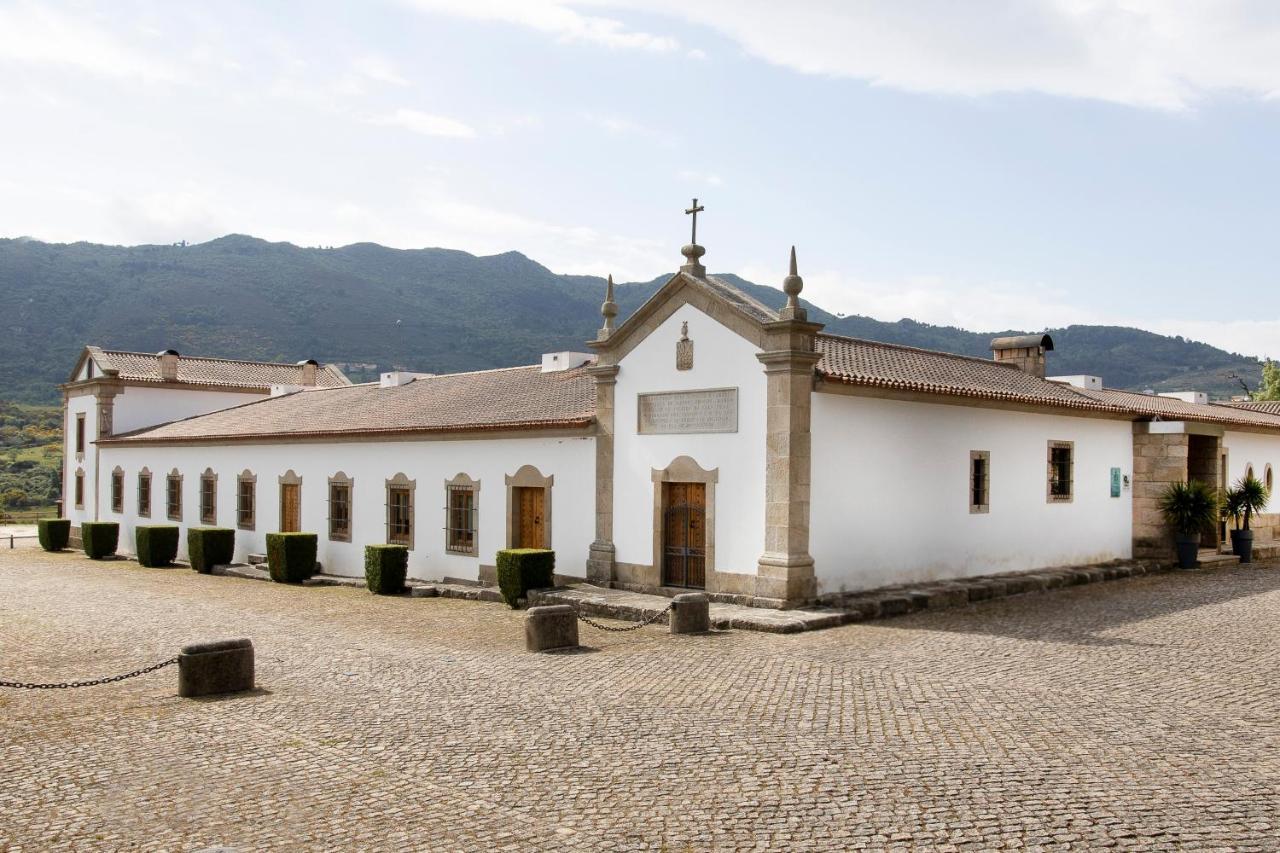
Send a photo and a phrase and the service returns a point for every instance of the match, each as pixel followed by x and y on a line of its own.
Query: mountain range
pixel 369 307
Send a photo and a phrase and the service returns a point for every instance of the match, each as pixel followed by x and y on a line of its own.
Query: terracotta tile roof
pixel 197 370
pixel 1171 408
pixel 858 362
pixel 1271 407
pixel 510 398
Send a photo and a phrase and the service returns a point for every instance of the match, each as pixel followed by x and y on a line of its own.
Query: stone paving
pixel 1140 714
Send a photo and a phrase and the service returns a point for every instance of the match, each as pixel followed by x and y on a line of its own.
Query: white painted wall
pixel 722 359
pixel 137 407
pixel 88 406
pixel 1257 449
pixel 570 460
pixel 890 500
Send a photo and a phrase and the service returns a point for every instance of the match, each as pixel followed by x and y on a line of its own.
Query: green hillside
pixel 428 309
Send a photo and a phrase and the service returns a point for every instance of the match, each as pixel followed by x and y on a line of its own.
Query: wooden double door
pixel 684 535
pixel 529 529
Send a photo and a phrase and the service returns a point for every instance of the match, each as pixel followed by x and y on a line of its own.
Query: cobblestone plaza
pixel 1136 714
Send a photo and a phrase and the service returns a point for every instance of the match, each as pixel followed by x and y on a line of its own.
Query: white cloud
pixel 1164 54
pixel 38 35
pixel 553 17
pixel 379 69
pixel 425 124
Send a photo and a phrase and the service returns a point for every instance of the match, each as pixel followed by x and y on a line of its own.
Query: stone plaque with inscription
pixel 687 412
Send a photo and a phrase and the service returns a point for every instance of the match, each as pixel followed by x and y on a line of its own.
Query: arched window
pixel 1266 477
pixel 173 495
pixel 340 488
pixel 208 497
pixel 144 493
pixel 462 510
pixel 117 489
pixel 1248 471
pixel 246 500
pixel 400 510
pixel 79 488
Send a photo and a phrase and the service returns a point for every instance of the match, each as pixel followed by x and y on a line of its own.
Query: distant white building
pixel 708 442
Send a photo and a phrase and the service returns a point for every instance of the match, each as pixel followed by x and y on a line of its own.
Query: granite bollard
pixel 552 626
pixel 224 666
pixel 690 613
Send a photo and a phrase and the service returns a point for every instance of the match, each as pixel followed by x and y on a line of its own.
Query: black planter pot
pixel 1242 545
pixel 1188 545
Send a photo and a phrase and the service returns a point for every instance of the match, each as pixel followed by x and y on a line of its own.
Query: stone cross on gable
pixel 694 211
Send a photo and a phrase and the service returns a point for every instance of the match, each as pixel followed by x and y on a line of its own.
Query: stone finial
pixel 609 310
pixel 693 260
pixel 792 285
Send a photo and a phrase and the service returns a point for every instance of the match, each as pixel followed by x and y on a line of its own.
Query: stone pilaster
pixel 785 571
pixel 1158 460
pixel 600 560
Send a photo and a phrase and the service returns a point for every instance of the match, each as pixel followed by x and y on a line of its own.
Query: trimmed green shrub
pixel 210 546
pixel 523 569
pixel 100 538
pixel 385 567
pixel 157 544
pixel 54 533
pixel 291 557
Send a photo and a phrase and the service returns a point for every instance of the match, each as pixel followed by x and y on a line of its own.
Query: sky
pixel 990 164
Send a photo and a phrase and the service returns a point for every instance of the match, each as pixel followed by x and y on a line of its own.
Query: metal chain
pixel 61 685
pixel 646 621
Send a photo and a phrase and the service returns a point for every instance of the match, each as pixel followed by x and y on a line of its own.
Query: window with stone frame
pixel 173 495
pixel 80 434
pixel 340 487
pixel 209 497
pixel 1061 473
pixel 117 490
pixel 144 493
pixel 246 500
pixel 79 495
pixel 400 510
pixel 460 516
pixel 979 481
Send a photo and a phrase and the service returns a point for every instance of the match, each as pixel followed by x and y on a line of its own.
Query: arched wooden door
pixel 684 535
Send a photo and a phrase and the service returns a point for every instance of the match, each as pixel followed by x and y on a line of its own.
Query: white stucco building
pixel 708 441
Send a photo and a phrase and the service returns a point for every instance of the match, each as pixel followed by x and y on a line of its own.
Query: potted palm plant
pixel 1189 507
pixel 1247 497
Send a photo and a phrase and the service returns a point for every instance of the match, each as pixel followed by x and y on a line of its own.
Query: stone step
pixel 256 559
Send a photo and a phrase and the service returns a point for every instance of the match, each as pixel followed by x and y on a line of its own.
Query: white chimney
pixel 557 361
pixel 1080 380
pixel 168 365
pixel 1198 397
pixel 396 378
pixel 281 390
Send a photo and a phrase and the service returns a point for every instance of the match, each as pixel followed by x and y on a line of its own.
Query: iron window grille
pixel 979 481
pixel 208 500
pixel 144 495
pixel 173 497
pixel 460 532
pixel 245 503
pixel 1061 471
pixel 340 512
pixel 400 516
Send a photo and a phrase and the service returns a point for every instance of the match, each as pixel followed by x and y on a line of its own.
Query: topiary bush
pixel 291 557
pixel 385 567
pixel 157 544
pixel 210 546
pixel 54 533
pixel 100 538
pixel 523 569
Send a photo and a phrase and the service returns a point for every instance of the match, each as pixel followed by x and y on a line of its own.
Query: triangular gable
pixel 104 364
pixel 716 298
